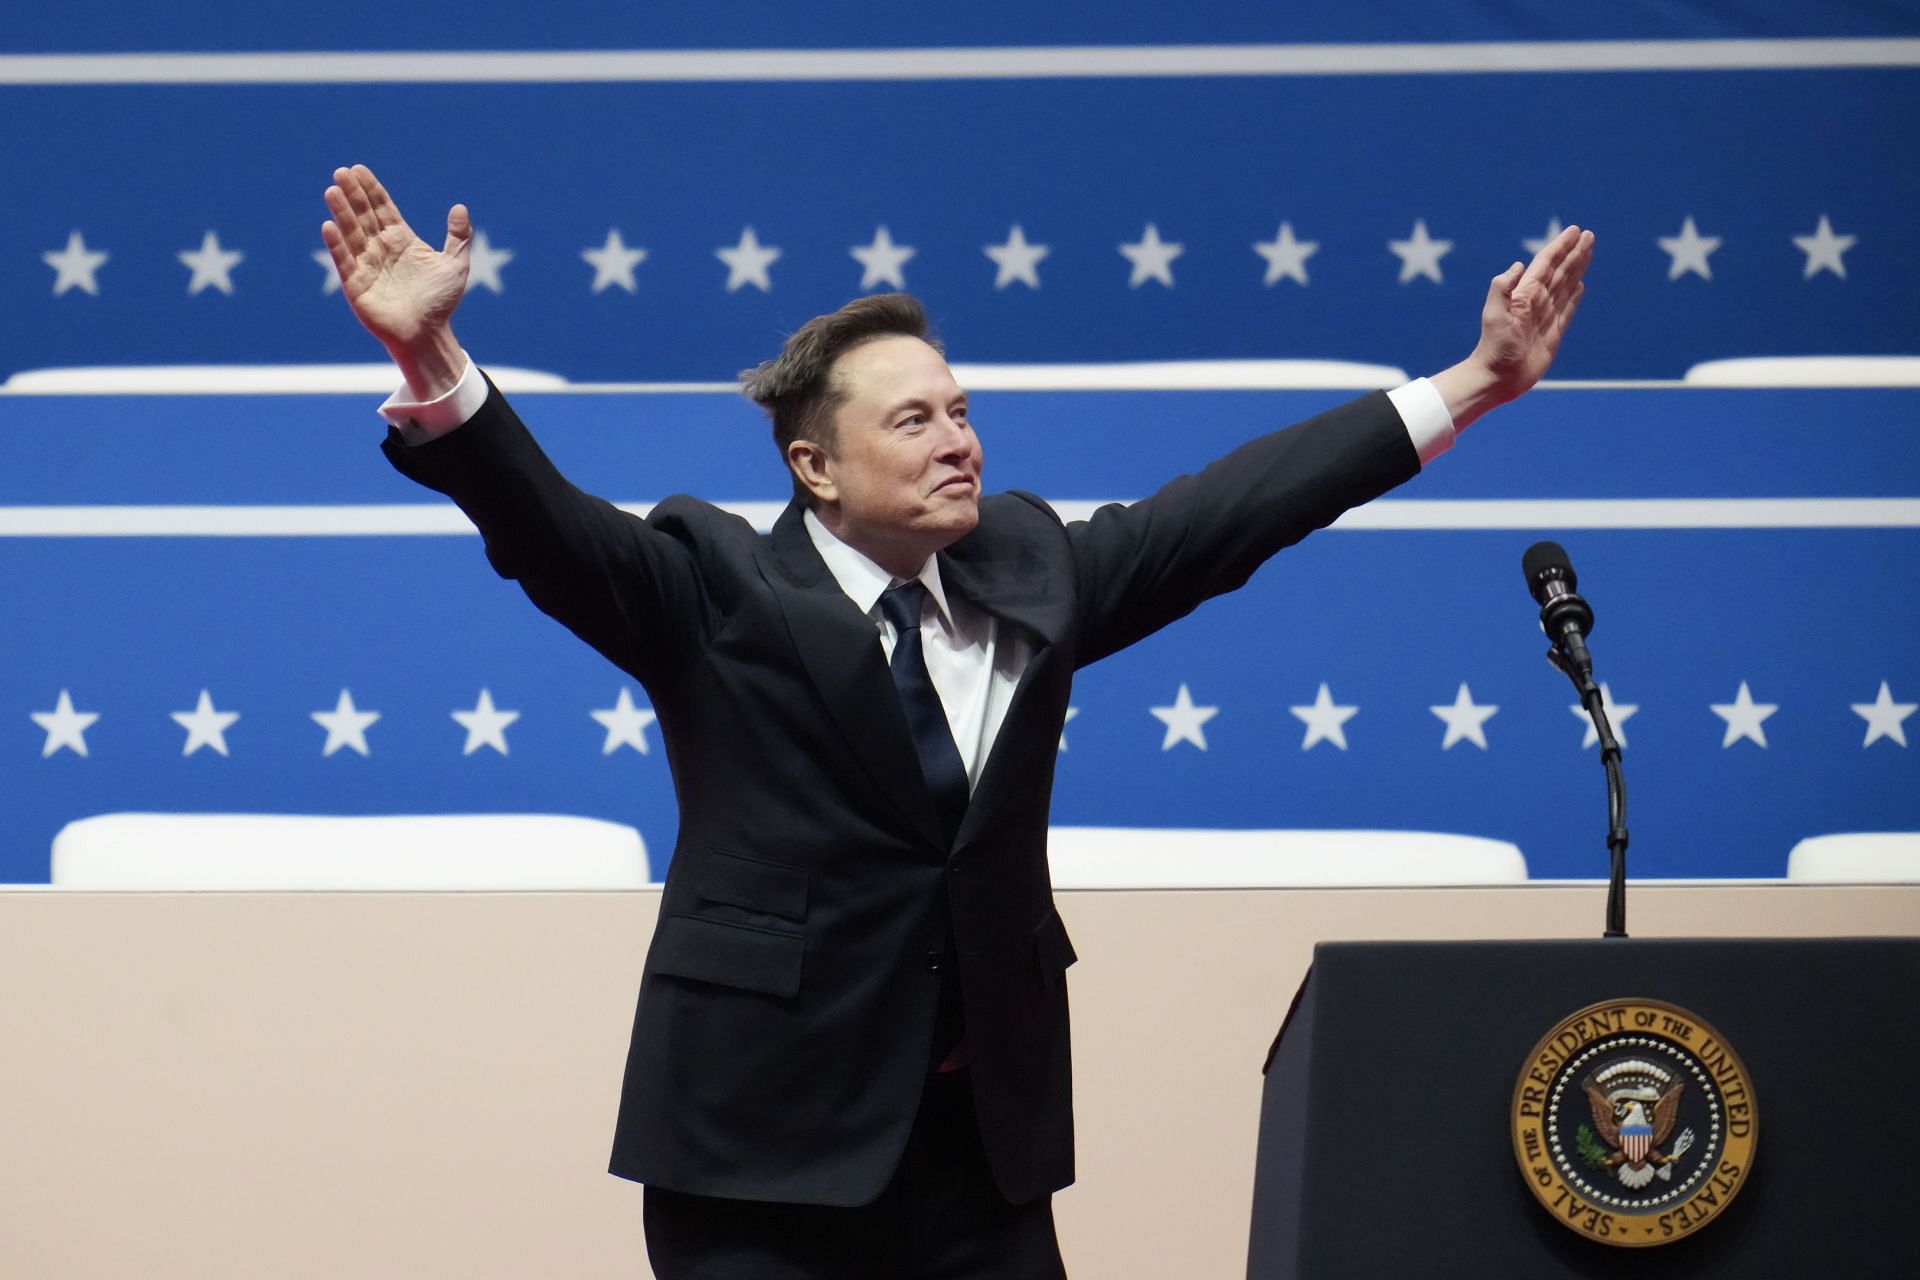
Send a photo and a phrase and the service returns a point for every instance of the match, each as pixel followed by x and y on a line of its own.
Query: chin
pixel 958 524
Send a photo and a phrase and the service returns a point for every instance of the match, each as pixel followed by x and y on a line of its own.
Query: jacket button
pixel 933 961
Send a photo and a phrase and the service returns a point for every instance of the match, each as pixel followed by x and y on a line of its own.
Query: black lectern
pixel 1386 1147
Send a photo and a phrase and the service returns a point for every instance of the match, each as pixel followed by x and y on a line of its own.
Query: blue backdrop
pixel 1783 195
pixel 1392 620
pixel 1752 159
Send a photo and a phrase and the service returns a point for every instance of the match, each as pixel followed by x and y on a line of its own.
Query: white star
pixel 626 725
pixel 74 266
pixel 1464 719
pixel 1617 714
pixel 1323 720
pixel 205 727
pixel 1286 256
pixel 1420 256
pixel 1553 233
pixel 1183 720
pixel 1884 717
pixel 346 725
pixel 65 727
pixel 1689 251
pixel 485 726
pixel 484 263
pixel 1743 716
pixel 1071 713
pixel 882 260
pixel 211 265
pixel 1016 259
pixel 1152 258
pixel 330 285
pixel 1823 250
pixel 747 262
pixel 613 262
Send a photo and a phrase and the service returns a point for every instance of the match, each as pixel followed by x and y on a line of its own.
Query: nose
pixel 956 439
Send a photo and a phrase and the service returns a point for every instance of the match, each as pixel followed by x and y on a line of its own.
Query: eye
pixel 913 420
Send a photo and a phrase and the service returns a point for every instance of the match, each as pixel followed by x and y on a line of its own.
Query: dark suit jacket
pixel 785 1018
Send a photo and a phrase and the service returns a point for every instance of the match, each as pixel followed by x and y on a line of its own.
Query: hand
pixel 399 287
pixel 1526 312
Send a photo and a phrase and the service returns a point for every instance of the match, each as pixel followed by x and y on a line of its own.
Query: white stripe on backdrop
pixel 995 63
pixel 414 519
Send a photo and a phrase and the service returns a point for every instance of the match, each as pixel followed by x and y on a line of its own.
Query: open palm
pixel 1528 309
pixel 398 285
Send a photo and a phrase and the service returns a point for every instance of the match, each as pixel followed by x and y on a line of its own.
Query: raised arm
pixel 1526 311
pixel 619 583
pixel 400 287
pixel 1141 566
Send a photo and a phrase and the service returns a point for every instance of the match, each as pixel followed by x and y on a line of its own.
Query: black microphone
pixel 1564 616
pixel 1566 619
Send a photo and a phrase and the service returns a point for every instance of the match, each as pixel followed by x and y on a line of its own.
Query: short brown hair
pixel 797 388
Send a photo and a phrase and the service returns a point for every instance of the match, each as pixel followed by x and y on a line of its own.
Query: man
pixel 850 1055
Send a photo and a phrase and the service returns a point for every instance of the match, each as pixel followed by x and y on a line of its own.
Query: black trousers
pixel 940 1218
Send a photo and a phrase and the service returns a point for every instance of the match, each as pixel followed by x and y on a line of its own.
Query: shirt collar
pixel 862 579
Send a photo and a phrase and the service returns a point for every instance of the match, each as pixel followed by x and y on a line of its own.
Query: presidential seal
pixel 1634 1122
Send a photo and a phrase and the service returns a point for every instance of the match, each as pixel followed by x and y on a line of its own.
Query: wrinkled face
pixel 904 469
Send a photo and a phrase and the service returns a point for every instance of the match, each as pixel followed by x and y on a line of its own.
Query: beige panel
pixel 409 1085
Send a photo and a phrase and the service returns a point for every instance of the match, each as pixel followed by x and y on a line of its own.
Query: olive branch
pixel 1591 1151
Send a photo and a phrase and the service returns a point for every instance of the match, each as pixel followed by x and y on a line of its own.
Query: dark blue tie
pixel 926 719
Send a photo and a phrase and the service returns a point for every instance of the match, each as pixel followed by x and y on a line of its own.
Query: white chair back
pixel 161 851
pixel 1865 857
pixel 1150 858
pixel 1807 371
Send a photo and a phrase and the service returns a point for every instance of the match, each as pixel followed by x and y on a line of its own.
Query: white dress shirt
pixel 973 665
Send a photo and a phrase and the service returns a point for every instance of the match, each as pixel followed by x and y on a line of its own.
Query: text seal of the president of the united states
pixel 1634 1122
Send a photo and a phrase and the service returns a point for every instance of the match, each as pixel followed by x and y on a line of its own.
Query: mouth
pixel 951 482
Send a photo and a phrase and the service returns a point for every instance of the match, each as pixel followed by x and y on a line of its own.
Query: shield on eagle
pixel 1634 1141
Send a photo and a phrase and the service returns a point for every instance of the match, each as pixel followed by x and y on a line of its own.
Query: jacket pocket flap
pixel 1055 948
pixel 732 955
pixel 753 884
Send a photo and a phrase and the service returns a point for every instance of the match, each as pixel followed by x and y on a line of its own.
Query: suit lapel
pixel 1010 582
pixel 841 651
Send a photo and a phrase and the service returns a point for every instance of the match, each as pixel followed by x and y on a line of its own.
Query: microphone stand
pixel 1582 676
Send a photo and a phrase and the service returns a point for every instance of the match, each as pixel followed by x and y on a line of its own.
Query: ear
pixel 810 463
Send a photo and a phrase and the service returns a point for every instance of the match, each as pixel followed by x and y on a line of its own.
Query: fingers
pixel 347 201
pixel 359 201
pixel 337 247
pixel 1564 315
pixel 363 209
pixel 1500 291
pixel 384 211
pixel 459 230
pixel 1553 277
pixel 1573 256
pixel 345 225
pixel 1576 263
pixel 1555 323
pixel 1552 254
pixel 1566 280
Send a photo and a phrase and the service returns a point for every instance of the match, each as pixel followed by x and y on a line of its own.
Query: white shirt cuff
pixel 1424 414
pixel 421 421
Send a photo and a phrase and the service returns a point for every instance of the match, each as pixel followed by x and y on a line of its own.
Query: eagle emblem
pixel 1634 1122
pixel 1635 1104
